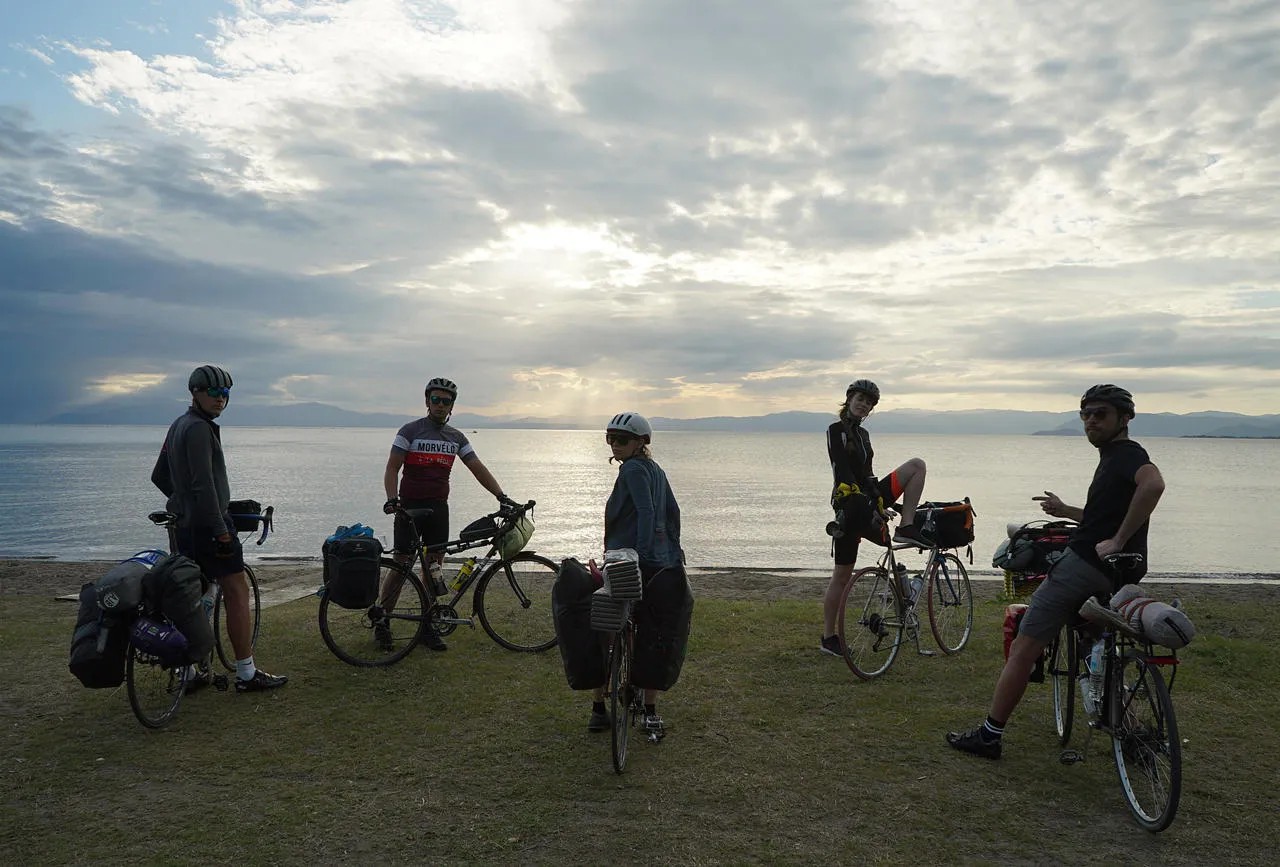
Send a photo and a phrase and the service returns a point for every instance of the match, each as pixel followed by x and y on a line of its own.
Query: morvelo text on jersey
pixel 429 452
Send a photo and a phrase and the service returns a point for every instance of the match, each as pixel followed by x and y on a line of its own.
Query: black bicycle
pixel 512 597
pixel 1126 697
pixel 155 684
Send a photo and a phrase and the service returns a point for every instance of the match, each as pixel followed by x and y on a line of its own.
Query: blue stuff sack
pixel 161 640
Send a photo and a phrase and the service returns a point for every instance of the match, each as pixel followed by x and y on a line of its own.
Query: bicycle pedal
pixel 220 682
pixel 1071 757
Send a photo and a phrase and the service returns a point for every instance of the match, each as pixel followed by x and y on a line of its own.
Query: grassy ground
pixel 775 754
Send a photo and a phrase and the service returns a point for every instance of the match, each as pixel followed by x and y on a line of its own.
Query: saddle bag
pixel 352 570
pixel 98 643
pixel 174 588
pixel 581 647
pixel 662 621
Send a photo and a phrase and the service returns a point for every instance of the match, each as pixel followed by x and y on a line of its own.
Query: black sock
pixel 597 707
pixel 991 730
pixel 650 709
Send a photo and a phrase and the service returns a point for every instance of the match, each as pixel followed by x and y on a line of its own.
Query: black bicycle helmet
pixel 1118 397
pixel 442 384
pixel 208 376
pixel 866 386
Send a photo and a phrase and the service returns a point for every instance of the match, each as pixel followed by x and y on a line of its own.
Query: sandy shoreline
pixel 296 578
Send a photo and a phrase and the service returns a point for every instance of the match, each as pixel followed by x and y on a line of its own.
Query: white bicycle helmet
pixel 633 423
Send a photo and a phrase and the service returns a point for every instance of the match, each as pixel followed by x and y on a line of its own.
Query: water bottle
pixel 917 581
pixel 207 600
pixel 1086 695
pixel 435 580
pixel 1095 673
pixel 901 571
pixel 463 574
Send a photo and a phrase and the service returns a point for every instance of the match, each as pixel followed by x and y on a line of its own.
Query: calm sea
pixel 753 500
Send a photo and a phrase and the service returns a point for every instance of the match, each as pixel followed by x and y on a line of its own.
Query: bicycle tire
pixel 350 632
pixel 1064 666
pixel 1144 740
pixel 513 602
pixel 155 690
pixel 950 603
pixel 870 632
pixel 222 641
pixel 620 701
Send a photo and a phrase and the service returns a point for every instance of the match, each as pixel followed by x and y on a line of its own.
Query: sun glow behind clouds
pixel 120 384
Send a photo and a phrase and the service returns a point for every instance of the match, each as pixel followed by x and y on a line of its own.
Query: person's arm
pixel 637 482
pixel 160 475
pixel 1058 509
pixel 485 478
pixel 391 475
pixel 207 514
pixel 1150 487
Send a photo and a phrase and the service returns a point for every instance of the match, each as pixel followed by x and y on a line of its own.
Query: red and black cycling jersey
pixel 429 452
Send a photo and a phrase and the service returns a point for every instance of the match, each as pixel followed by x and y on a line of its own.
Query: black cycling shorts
pixel 434 529
pixel 845 548
pixel 203 548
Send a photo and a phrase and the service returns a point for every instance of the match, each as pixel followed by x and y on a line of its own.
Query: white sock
pixel 245 669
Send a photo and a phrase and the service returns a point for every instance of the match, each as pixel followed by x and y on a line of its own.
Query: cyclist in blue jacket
pixel 642 513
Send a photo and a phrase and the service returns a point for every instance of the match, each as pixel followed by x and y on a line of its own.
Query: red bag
pixel 1012 617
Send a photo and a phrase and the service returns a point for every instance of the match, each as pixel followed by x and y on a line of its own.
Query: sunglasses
pixel 441 401
pixel 618 439
pixel 218 392
pixel 1098 412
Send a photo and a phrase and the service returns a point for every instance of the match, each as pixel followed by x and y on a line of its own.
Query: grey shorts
pixel 1057 600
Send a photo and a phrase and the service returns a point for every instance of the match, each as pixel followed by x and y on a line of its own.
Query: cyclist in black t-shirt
pixel 1125 489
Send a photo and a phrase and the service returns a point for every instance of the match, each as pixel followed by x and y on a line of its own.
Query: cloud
pixel 569 204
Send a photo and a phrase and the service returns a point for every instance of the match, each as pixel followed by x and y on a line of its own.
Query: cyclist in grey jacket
pixel 192 472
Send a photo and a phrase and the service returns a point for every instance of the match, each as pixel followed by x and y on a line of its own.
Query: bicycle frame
pixel 424 554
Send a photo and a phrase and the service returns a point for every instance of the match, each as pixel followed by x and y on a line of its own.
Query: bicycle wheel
pixel 1144 738
pixel 1063 667
pixel 374 636
pixel 950 603
pixel 620 698
pixel 222 638
pixel 513 601
pixel 155 690
pixel 870 622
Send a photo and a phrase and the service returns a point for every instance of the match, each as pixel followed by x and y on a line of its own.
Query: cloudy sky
pixel 685 207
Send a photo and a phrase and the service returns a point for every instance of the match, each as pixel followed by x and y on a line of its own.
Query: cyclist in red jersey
pixel 422 457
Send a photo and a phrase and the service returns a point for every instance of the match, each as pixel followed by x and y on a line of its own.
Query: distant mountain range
pixel 905 421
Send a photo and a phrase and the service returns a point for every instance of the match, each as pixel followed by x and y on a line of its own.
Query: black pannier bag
pixel 952 522
pixel 352 571
pixel 662 621
pixel 245 514
pixel 173 587
pixel 98 643
pixel 581 648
